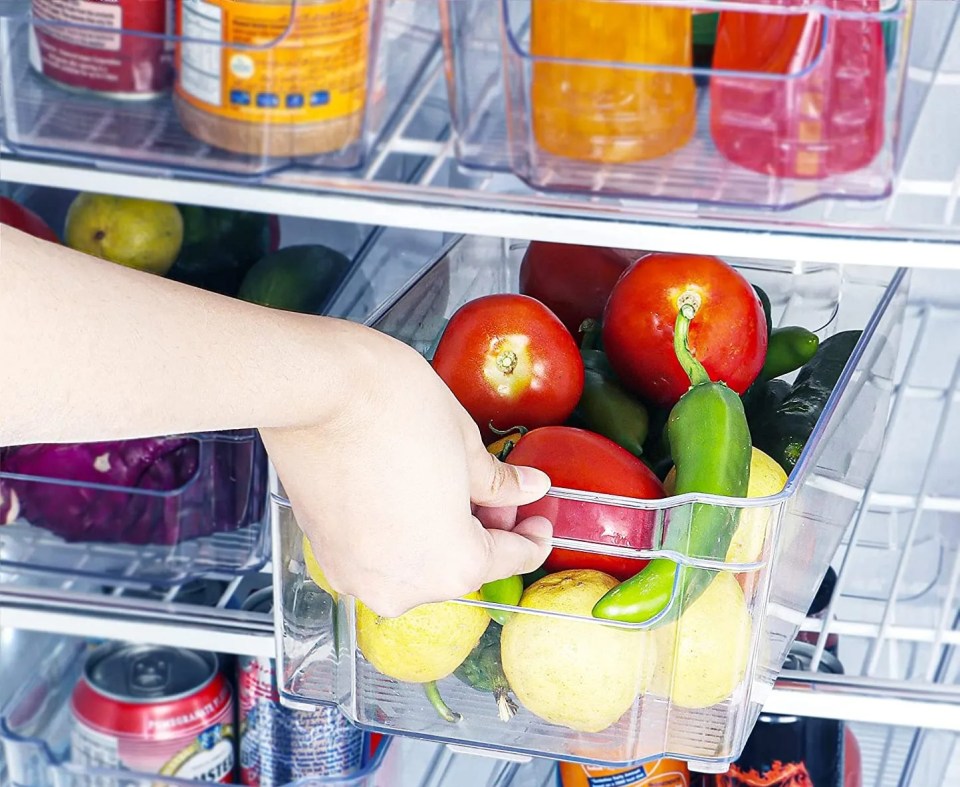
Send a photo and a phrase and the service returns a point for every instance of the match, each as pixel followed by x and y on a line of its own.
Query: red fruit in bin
pixel 574 282
pixel 579 459
pixel 15 215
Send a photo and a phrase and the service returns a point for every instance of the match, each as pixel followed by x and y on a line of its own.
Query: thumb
pixel 495 483
pixel 517 551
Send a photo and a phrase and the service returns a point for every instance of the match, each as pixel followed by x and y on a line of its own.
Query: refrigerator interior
pixel 896 607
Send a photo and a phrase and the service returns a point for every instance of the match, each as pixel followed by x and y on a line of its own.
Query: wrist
pixel 328 368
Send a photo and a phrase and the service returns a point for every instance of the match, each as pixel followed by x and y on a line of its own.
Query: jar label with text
pixel 274 63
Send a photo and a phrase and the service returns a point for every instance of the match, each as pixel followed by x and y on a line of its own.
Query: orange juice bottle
pixel 596 110
pixel 665 773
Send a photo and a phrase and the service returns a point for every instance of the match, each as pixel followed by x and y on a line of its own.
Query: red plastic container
pixel 822 111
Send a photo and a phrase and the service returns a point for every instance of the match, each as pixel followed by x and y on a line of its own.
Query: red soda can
pixel 156 710
pixel 118 48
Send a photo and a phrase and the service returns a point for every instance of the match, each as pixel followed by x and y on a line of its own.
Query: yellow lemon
pixel 314 571
pixel 702 657
pixel 138 233
pixel 425 644
pixel 582 673
pixel 766 478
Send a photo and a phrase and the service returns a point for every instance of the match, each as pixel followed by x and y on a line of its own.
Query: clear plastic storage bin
pixel 797 100
pixel 689 690
pixel 195 504
pixel 226 88
pixel 35 726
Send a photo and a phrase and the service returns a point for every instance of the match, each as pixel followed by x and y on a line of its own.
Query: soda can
pixel 279 745
pixel 117 48
pixel 156 710
pixel 783 751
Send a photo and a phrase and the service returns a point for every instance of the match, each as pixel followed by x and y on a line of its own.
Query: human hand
pixel 383 489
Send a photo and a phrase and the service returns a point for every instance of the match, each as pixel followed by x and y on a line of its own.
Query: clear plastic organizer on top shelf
pixel 770 103
pixel 234 89
pixel 36 725
pixel 592 690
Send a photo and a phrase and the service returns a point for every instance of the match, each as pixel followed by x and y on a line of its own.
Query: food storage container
pixel 35 725
pixel 794 100
pixel 237 89
pixel 689 686
pixel 182 505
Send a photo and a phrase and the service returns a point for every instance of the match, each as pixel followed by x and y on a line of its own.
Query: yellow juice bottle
pixel 599 110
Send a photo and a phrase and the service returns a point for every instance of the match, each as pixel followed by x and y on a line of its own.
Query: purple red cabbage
pixel 159 490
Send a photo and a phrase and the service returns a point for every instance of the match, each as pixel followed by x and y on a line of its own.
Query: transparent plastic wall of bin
pixel 211 86
pixel 586 689
pixel 198 505
pixel 796 100
pixel 206 511
pixel 35 727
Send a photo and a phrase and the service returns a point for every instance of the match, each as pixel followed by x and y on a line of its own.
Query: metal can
pixel 279 745
pixel 118 48
pixel 784 751
pixel 154 709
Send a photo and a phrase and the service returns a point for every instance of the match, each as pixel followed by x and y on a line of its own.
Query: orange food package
pixel 663 773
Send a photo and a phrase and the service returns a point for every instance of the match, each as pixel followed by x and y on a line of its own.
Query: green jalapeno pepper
pixel 502 591
pixel 710 442
pixel 782 430
pixel 609 410
pixel 789 348
pixel 605 407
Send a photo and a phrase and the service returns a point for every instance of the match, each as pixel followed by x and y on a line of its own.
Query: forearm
pixel 95 351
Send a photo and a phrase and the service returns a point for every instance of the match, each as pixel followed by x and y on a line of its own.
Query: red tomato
pixel 573 281
pixel 728 334
pixel 15 215
pixel 510 362
pixel 578 459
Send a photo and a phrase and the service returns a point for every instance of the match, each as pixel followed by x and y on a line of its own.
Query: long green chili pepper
pixel 605 407
pixel 710 443
pixel 789 348
pixel 502 591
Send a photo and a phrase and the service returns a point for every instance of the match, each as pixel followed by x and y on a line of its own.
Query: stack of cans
pixel 170 711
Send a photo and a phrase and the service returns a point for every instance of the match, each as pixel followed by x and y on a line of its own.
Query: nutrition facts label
pixel 201 63
pixel 82 17
pixel 91 748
